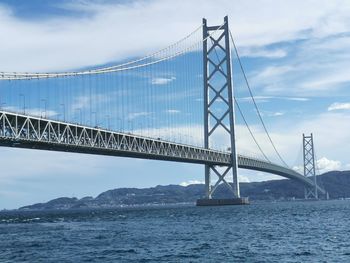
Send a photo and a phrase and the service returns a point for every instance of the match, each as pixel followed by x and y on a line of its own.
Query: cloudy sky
pixel 296 55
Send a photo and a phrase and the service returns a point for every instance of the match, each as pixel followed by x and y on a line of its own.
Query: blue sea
pixel 317 231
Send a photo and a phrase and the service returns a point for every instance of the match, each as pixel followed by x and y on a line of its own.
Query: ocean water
pixel 261 232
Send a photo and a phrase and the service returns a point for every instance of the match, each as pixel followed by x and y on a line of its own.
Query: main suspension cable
pixel 256 106
pixel 250 131
pixel 116 68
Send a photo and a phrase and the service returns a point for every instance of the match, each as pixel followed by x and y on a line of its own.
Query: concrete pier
pixel 216 202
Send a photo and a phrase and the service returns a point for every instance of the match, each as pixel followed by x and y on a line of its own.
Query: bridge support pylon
pixel 219 120
pixel 309 166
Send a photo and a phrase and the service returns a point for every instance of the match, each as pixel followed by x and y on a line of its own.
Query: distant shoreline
pixel 337 183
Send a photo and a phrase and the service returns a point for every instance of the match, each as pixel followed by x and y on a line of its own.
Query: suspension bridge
pixel 176 104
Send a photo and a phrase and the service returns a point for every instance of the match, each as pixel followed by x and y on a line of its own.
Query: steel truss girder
pixel 221 69
pixel 22 131
pixel 30 132
pixel 309 166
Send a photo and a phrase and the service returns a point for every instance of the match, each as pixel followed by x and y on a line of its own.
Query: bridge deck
pixel 22 131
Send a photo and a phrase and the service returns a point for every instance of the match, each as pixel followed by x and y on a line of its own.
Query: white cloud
pixel 297 99
pixel 329 81
pixel 274 71
pixel 265 53
pixel 258 99
pixel 325 165
pixel 263 99
pixel 312 71
pixel 162 81
pixel 136 115
pixel 242 178
pixel 187 183
pixel 173 111
pixel 272 113
pixel 322 165
pixel 339 106
pixel 276 114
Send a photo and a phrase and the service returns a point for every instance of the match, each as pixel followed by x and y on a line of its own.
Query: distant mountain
pixel 336 183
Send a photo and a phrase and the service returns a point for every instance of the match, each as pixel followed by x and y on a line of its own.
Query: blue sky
pixel 296 59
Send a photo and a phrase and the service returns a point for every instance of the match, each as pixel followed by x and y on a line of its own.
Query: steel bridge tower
pixel 309 165
pixel 218 88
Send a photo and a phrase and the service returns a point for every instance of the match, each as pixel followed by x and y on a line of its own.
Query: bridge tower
pixel 309 165
pixel 218 88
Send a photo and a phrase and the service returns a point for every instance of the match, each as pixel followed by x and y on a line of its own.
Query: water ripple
pixel 265 232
